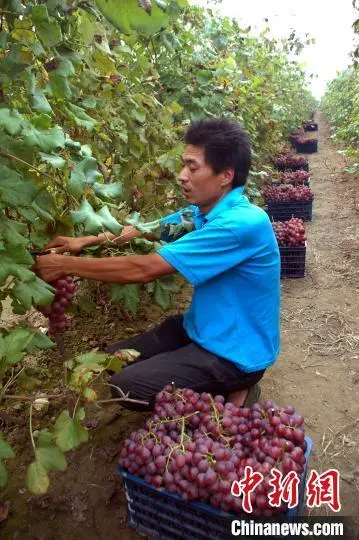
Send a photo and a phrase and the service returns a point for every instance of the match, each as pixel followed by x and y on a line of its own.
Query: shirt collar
pixel 231 199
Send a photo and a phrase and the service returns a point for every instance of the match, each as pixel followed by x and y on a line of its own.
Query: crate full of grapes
pixel 288 161
pixel 306 145
pixel 291 239
pixel 179 470
pixel 286 201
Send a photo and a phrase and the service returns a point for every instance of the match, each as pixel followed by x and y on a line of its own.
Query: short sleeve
pixel 207 252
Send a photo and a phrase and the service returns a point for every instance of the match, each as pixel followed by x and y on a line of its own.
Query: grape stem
pixel 31 434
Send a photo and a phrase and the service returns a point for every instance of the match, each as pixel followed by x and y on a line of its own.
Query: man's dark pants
pixel 169 355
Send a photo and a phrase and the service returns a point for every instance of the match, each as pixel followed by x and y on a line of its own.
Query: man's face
pixel 201 185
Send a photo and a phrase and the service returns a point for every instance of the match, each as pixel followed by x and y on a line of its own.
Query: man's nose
pixel 183 176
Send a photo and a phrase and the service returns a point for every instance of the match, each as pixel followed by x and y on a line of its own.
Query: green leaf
pixel 37 479
pixel 12 346
pixel 6 452
pixel 3 39
pixel 65 67
pixel 86 27
pixel 57 162
pixel 162 296
pixel 84 173
pixel 129 294
pixel 36 292
pixel 47 28
pixel 68 431
pixel 91 358
pixel 109 191
pixel 47 140
pixel 80 117
pixel 3 475
pixel 39 341
pixel 138 115
pixel 59 86
pixel 94 222
pixel 45 438
pixel 12 121
pixel 108 221
pixel 51 458
pixel 14 189
pixel 128 17
pixel 86 303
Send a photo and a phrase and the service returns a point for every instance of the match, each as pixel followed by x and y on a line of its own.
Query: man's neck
pixel 206 208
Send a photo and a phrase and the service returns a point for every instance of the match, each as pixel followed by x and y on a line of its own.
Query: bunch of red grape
pixel 290 233
pixel 65 290
pixel 197 445
pixel 287 159
pixel 294 177
pixel 287 193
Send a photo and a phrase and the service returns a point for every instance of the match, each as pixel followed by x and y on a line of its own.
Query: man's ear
pixel 227 177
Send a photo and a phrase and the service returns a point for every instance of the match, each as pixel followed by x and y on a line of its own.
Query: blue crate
pixel 292 261
pixel 311 126
pixel 285 210
pixel 309 147
pixel 166 516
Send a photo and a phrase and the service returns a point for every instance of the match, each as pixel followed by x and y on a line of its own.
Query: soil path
pixel 317 372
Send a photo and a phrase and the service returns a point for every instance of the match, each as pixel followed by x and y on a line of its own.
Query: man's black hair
pixel 225 145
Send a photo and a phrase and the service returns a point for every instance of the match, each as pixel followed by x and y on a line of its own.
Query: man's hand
pixel 50 267
pixel 69 244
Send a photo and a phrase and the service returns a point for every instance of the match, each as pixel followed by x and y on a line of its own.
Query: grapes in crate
pixel 58 320
pixel 196 446
pixel 290 233
pixel 284 193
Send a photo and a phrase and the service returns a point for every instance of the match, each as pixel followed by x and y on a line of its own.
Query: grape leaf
pixel 80 117
pixel 129 17
pixel 94 222
pixel 86 303
pixel 13 346
pixel 109 191
pixel 3 475
pixel 57 162
pixel 14 189
pixel 68 431
pixel 51 458
pixel 83 173
pixel 91 357
pixel 47 140
pixel 12 121
pixel 6 452
pixel 47 28
pixel 129 294
pixel 37 479
pixel 35 292
pixel 39 341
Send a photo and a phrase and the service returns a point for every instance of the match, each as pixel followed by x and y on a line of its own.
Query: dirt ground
pixel 317 372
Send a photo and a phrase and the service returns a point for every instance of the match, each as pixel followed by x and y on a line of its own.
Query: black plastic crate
pixel 292 261
pixel 311 126
pixel 304 167
pixel 284 210
pixel 309 147
pixel 166 516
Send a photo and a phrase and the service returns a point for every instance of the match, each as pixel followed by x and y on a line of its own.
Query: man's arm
pixel 123 270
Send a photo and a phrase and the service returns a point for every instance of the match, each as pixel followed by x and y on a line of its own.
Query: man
pixel 230 334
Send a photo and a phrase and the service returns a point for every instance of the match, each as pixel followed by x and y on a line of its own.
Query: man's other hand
pixel 69 244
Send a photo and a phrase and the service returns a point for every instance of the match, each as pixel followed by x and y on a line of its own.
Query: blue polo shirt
pixel 232 260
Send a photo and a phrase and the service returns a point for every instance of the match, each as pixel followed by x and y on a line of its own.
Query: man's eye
pixel 193 169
